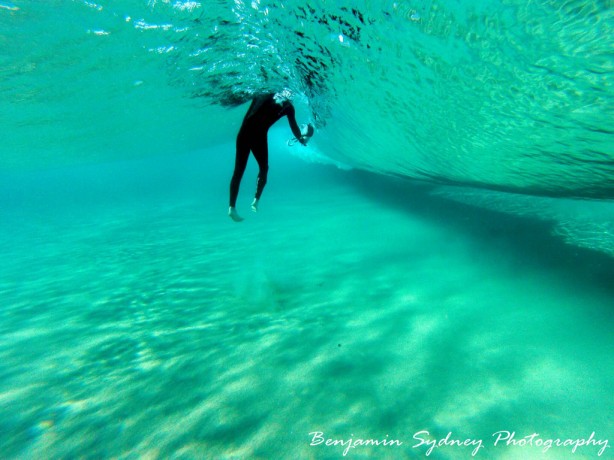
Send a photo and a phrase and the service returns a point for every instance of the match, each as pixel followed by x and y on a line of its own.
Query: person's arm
pixel 293 124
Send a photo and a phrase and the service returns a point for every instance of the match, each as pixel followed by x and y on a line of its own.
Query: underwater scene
pixel 431 275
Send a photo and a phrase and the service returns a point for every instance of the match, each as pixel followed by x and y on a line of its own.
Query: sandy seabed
pixel 138 321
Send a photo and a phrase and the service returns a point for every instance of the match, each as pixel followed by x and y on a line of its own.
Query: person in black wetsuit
pixel 262 114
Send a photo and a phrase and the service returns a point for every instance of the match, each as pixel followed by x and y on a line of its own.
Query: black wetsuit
pixel 262 114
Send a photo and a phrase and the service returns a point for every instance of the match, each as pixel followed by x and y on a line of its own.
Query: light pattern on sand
pixel 155 327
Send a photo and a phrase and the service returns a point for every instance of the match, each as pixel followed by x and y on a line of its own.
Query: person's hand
pixel 303 140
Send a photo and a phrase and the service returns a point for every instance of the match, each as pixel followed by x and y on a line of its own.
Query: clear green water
pixel 512 95
pixel 138 321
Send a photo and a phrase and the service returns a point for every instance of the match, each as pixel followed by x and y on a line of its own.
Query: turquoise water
pixel 440 258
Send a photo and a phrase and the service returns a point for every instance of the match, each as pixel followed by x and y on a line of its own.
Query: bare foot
pixel 232 212
pixel 255 205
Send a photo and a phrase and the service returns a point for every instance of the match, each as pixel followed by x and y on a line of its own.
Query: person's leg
pixel 260 150
pixel 240 164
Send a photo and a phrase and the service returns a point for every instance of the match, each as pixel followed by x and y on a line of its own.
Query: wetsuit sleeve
pixel 292 120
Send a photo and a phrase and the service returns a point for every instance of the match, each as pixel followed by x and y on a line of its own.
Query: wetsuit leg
pixel 260 150
pixel 240 164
